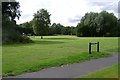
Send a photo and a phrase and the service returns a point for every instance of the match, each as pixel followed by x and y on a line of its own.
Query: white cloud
pixel 62 11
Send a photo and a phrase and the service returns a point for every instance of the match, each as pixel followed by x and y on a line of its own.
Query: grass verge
pixel 109 72
pixel 54 62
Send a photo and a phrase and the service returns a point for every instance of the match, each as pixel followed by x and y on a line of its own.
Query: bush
pixel 25 39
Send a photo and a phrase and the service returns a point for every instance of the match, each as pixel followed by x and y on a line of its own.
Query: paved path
pixel 73 70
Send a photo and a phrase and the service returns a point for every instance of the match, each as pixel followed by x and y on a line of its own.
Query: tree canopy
pixel 26 28
pixel 97 24
pixel 10 31
pixel 41 22
pixel 11 10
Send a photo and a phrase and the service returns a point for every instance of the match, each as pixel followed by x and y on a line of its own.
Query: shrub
pixel 25 39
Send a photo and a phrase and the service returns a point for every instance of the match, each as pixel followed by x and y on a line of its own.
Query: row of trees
pixel 98 24
pixel 54 29
pixel 92 24
pixel 40 25
pixel 62 30
pixel 26 28
pixel 37 27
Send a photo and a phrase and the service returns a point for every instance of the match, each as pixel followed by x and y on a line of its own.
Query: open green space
pixel 52 51
pixel 109 72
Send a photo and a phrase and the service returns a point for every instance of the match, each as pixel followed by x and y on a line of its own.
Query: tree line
pixel 40 25
pixel 91 25
pixel 54 29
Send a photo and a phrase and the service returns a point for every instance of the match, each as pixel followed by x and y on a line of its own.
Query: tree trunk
pixel 41 37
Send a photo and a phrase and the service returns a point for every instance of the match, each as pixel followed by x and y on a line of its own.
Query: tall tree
pixel 41 22
pixel 10 10
pixel 87 25
pixel 106 23
pixel 97 24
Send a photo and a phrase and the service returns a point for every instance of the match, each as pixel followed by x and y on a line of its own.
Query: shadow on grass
pixel 60 38
pixel 42 42
pixel 48 42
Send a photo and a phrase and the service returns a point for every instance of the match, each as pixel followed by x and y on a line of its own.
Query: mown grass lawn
pixel 109 72
pixel 52 51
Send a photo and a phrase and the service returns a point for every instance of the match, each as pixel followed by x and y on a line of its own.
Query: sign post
pixel 93 43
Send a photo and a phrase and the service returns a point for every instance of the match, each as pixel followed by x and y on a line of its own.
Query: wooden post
pixel 89 48
pixel 98 47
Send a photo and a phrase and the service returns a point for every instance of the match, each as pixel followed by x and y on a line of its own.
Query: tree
pixel 10 30
pixel 106 22
pixel 66 30
pixel 73 30
pixel 41 22
pixel 53 28
pixel 10 10
pixel 87 25
pixel 97 24
pixel 56 28
pixel 27 28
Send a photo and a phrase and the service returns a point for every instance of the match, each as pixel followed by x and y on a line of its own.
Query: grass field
pixel 109 72
pixel 52 51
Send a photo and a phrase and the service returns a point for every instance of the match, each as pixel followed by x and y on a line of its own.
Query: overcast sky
pixel 66 12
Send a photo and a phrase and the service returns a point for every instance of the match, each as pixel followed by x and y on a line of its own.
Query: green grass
pixel 52 51
pixel 109 72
